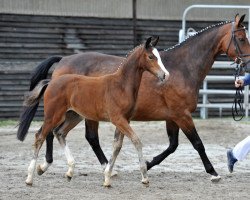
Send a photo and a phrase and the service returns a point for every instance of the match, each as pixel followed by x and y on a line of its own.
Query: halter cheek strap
pixel 238 52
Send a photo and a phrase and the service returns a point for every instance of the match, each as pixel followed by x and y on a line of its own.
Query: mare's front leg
pixel 187 125
pixel 91 135
pixel 173 134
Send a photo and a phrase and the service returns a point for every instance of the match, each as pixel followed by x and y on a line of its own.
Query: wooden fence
pixel 25 40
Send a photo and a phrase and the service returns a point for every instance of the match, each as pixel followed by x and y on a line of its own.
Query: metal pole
pixel 212 6
pixel 134 23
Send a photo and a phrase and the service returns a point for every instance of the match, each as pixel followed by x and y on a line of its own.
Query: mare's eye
pixel 150 57
pixel 242 39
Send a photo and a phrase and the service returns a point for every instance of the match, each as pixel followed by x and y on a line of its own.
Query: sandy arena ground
pixel 179 177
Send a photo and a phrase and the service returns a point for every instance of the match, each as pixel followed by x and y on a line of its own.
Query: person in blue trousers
pixel 241 150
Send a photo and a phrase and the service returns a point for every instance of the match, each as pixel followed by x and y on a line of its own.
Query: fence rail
pixel 205 91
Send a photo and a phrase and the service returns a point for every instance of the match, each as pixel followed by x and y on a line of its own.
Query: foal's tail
pixel 29 112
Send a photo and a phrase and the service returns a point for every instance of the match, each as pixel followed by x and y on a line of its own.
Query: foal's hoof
pixel 39 170
pixel 145 181
pixel 107 184
pixel 215 179
pixel 114 173
pixel 29 183
pixel 68 177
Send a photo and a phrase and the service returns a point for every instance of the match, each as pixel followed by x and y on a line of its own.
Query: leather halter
pixel 239 55
pixel 237 108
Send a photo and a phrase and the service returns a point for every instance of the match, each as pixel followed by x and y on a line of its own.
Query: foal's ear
pixel 148 43
pixel 239 20
pixel 155 41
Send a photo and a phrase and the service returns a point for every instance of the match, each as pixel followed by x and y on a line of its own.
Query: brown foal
pixel 106 98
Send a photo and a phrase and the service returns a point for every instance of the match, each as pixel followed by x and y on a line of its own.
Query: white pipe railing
pixel 205 105
pixel 182 33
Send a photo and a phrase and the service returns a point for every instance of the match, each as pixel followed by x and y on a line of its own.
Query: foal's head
pixel 151 60
pixel 235 43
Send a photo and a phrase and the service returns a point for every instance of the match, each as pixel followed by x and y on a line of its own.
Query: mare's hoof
pixel 39 170
pixel 215 179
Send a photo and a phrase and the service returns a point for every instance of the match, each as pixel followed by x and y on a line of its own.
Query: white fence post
pixel 203 110
pixel 246 99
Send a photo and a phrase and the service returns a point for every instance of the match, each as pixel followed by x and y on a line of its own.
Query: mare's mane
pixel 197 34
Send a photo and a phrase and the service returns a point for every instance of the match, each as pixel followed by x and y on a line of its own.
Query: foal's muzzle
pixel 163 76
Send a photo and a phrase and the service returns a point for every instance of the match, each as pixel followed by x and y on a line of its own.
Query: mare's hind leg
pixel 71 120
pixel 91 135
pixel 187 125
pixel 70 158
pixel 117 145
pixel 173 134
pixel 123 125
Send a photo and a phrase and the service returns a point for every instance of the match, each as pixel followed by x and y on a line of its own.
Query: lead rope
pixel 237 107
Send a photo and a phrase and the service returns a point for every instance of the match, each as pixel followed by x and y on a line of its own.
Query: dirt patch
pixel 180 176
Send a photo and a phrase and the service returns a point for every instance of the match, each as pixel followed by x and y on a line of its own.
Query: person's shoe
pixel 231 160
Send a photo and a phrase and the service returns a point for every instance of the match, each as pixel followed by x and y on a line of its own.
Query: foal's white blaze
pixel 157 55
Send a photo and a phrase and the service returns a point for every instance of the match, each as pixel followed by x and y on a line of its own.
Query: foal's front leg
pixel 123 125
pixel 117 145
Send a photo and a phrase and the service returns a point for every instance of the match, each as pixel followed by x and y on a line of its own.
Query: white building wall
pixel 146 9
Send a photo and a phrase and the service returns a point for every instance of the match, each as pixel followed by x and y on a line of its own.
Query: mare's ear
pixel 147 44
pixel 239 20
pixel 155 41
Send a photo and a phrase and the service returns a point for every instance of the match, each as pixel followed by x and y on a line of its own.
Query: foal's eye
pixel 150 57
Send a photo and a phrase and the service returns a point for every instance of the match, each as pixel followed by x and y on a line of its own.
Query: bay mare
pixel 173 102
pixel 110 97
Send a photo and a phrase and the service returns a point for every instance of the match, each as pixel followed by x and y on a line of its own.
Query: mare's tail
pixel 29 112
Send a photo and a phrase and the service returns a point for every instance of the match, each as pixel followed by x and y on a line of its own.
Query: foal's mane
pixel 128 54
pixel 198 34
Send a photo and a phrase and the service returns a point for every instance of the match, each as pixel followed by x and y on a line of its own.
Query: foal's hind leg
pixel 71 120
pixel 70 158
pixel 117 145
pixel 39 139
pixel 173 134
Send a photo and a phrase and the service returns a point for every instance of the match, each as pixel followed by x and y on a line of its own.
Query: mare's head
pixel 235 42
pixel 151 60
